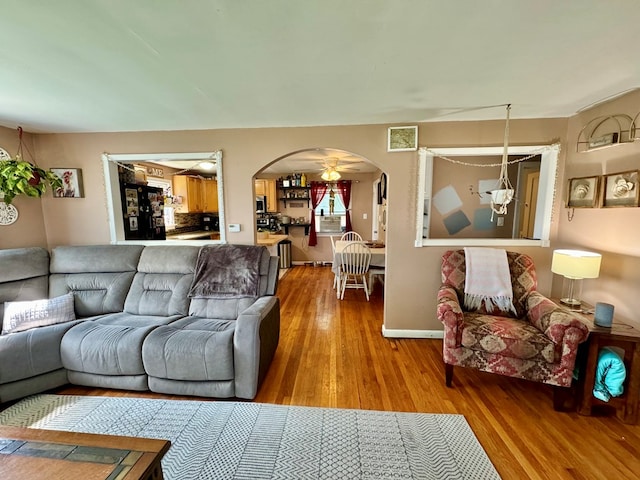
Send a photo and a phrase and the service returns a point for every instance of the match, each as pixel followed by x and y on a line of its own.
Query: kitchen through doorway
pixel 285 204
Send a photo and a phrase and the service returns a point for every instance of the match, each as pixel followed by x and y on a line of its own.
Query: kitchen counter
pixel 272 240
pixel 197 235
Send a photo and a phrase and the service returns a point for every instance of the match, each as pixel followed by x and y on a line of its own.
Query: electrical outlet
pixel 364 216
pixel 500 222
pixel 234 227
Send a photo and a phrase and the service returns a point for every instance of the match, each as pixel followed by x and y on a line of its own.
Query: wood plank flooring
pixel 332 354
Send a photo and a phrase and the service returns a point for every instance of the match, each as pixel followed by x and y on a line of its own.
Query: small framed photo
pixel 402 139
pixel 583 192
pixel 621 189
pixel 71 183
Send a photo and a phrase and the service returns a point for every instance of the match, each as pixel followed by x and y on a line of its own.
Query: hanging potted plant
pixel 19 177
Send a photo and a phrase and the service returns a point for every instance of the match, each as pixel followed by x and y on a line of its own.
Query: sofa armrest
pixel 254 343
pixel 451 316
pixel 563 327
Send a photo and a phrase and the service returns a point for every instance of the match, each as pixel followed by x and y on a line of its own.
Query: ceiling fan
pixel 331 168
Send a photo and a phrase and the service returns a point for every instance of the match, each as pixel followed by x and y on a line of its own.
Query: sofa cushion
pixel 162 282
pixel 32 352
pixel 99 275
pixel 24 275
pixel 22 263
pixel 219 308
pixel 109 345
pixel 95 293
pixel 20 316
pixel 95 258
pixel 508 337
pixel 191 349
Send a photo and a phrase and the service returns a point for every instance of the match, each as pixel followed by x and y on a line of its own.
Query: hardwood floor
pixel 332 354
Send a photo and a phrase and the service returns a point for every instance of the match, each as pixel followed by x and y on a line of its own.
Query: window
pixel 114 204
pixel 327 223
pixel 457 192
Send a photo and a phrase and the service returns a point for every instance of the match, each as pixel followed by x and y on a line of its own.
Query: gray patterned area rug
pixel 235 440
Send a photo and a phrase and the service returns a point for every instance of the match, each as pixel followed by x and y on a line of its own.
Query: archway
pixel 367 206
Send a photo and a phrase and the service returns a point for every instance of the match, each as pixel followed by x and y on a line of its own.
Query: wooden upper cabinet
pixel 190 189
pixel 210 195
pixel 267 186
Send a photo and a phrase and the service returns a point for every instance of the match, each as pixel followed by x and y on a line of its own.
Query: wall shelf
pixel 305 225
pixel 301 194
pixel 606 131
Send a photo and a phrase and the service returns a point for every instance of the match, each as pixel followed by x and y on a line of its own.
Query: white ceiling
pixel 122 65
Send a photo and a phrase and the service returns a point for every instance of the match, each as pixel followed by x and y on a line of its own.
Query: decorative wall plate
pixel 8 214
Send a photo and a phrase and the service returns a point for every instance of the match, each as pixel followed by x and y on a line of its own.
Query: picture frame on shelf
pixel 71 183
pixel 584 192
pixel 621 189
pixel 402 139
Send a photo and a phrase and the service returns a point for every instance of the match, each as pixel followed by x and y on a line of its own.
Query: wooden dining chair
pixel 354 266
pixel 333 259
pixel 351 236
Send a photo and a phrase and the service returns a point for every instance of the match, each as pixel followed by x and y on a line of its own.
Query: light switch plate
pixel 234 227
pixel 500 222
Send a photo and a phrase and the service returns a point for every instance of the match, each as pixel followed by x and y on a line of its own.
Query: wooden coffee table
pixel 52 455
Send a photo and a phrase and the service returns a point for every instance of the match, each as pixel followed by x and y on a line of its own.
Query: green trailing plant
pixel 18 177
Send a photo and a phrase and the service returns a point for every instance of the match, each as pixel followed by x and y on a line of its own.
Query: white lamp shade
pixel 576 263
pixel 330 175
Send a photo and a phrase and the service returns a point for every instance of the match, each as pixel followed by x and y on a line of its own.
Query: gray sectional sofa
pixel 138 324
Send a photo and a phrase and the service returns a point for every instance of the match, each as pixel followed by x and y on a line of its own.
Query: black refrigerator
pixel 143 212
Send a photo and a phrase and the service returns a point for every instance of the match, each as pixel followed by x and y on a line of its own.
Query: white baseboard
pixel 394 333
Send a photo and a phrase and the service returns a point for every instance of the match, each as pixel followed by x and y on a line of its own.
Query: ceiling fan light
pixel 330 175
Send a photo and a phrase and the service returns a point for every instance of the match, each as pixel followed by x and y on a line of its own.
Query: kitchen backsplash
pixel 188 222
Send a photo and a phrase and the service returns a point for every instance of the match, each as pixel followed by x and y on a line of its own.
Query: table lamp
pixel 575 265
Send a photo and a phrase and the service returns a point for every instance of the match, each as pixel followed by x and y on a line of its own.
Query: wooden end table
pixel 52 455
pixel 625 335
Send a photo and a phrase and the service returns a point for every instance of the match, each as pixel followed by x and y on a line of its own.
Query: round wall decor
pixel 8 214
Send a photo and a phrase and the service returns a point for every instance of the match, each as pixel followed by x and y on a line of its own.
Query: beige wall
pixel 413 274
pixel 28 230
pixel 613 232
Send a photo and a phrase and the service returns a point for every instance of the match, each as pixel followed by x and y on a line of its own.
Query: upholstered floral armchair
pixel 539 343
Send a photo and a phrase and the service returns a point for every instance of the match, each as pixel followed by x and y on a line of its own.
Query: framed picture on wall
pixel 583 192
pixel 402 139
pixel 71 183
pixel 621 189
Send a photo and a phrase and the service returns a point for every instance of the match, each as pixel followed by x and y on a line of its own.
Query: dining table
pixel 378 253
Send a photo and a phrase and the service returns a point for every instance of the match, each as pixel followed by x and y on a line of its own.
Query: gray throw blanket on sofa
pixel 229 271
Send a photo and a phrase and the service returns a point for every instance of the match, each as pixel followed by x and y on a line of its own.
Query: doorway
pixel 364 208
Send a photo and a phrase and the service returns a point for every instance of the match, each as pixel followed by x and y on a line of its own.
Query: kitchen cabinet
pixel 190 189
pixel 267 187
pixel 210 195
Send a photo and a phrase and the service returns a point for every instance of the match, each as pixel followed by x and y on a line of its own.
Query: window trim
pixel 342 214
pixel 546 194
pixel 114 203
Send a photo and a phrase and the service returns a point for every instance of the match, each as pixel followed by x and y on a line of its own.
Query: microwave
pixel 261 203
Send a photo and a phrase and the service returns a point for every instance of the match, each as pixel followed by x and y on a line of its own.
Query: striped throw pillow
pixel 20 316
